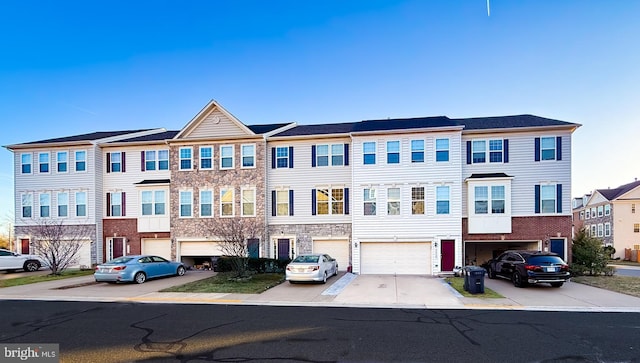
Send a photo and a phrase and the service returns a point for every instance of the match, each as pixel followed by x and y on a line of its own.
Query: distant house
pixel 394 196
pixel 612 216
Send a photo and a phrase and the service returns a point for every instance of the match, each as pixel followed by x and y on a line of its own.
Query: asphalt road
pixel 127 332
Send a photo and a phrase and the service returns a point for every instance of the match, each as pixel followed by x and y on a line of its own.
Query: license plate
pixel 550 269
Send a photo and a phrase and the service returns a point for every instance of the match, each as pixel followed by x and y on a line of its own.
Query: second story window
pixel 283 201
pixel 186 202
pixel 328 155
pixel 153 202
pixel 370 202
pixel 62 161
pixel 116 162
pixel 479 151
pixel 248 202
pixel 63 204
pixel 206 203
pixel 417 200
pixel 185 158
pixel 81 160
pixel 417 151
pixel 607 209
pixel 45 205
pixel 248 156
pixel 481 200
pixel 548 148
pixel 206 157
pixel 116 204
pixel 442 150
pixel 226 157
pixel 27 205
pixel 282 157
pixel 393 152
pixel 81 204
pixel 25 163
pixel 442 200
pixel 369 153
pixel 226 202
pixel 329 201
pixel 393 201
pixel 498 199
pixel 495 151
pixel 43 162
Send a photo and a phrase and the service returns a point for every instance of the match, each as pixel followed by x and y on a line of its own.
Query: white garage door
pixel 83 257
pixel 402 258
pixel 158 247
pixel 338 249
pixel 200 249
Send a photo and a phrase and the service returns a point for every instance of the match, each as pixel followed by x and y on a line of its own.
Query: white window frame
pixel 115 200
pixel 332 153
pixel 282 155
pixel 593 213
pixel 418 201
pixel 369 198
pixel 224 156
pixel 390 145
pixel 594 230
pixel 543 148
pixel 417 148
pixel 440 191
pixel 84 203
pixel 163 159
pixel 600 210
pixel 250 192
pixel 607 209
pixel 587 213
pixel 282 201
pixel 332 202
pixel 42 162
pixel 62 199
pixel 600 230
pixel 394 205
pixel 251 154
pixel 185 198
pixel 185 158
pixel 201 149
pixel 112 162
pixel 366 152
pixel 224 202
pixel 478 147
pixel 26 201
pixel 23 163
pixel 548 193
pixel 44 202
pixel 607 229
pixel 211 202
pixel 80 160
pixel 581 215
pixel 154 202
pixel 64 162
pixel 440 149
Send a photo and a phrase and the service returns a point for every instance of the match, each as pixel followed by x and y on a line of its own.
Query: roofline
pixel 407 130
pixel 202 140
pixel 310 136
pixel 572 127
pixel 279 130
pixel 206 110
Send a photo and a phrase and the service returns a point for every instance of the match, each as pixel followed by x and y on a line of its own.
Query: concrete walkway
pixel 345 290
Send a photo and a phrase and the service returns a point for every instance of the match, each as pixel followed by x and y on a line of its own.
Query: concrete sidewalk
pixel 346 290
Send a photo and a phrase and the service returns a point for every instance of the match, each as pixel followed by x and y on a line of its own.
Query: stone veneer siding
pixel 214 179
pixel 305 233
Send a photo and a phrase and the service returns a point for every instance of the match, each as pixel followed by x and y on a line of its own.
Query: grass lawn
pixel 222 283
pixel 623 284
pixel 458 284
pixel 32 279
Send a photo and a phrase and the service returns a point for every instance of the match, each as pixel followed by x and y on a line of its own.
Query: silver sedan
pixel 311 267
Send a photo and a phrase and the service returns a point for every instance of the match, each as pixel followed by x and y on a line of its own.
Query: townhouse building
pixel 611 215
pixel 395 196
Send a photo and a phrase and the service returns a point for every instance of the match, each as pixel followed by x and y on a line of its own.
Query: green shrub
pixel 589 253
pixel 256 265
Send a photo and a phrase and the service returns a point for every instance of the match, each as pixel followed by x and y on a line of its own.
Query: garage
pixel 402 258
pixel 338 249
pixel 478 253
pixel 83 257
pixel 198 254
pixel 158 247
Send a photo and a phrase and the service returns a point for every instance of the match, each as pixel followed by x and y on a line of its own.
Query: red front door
pixel 24 246
pixel 118 247
pixel 447 253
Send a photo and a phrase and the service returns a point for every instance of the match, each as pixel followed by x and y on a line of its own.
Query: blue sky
pixel 74 67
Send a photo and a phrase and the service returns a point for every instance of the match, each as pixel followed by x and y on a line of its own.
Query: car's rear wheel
pixel 324 278
pixel 31 266
pixel 557 284
pixel 491 273
pixel 517 280
pixel 181 271
pixel 140 278
pixel 335 273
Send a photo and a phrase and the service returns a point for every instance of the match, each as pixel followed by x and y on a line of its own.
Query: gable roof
pixel 166 135
pixel 203 117
pixel 90 138
pixel 615 193
pixel 510 122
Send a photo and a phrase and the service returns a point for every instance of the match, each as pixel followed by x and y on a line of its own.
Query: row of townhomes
pixel 393 196
pixel 613 215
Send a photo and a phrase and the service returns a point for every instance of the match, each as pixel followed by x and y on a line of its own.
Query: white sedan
pixel 11 261
pixel 311 267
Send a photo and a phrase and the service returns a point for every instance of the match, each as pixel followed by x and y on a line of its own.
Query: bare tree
pixel 233 235
pixel 58 244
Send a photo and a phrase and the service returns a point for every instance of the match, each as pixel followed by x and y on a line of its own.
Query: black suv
pixel 529 267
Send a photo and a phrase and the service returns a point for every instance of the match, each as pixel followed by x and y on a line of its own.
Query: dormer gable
pixel 214 122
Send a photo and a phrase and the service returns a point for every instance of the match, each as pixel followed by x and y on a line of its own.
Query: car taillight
pixel 315 268
pixel 564 268
pixel 97 268
pixel 288 268
pixel 119 268
pixel 532 268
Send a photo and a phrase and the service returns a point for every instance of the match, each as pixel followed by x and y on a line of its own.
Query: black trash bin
pixel 474 279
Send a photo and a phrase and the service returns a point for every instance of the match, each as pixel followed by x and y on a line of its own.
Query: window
pixel 497 199
pixel 417 200
pixel 282 157
pixel 43 162
pixel 185 159
pixel 153 202
pixel 633 208
pixel 607 229
pixel 548 148
pixel 206 203
pixel 393 201
pixel 594 230
pixel 481 200
pixel 248 156
pixel 636 227
pixel 115 203
pixel 369 153
pixel 63 204
pixel 581 215
pixel 81 204
pixel 226 157
pixel 45 205
pixel 248 202
pixel 330 201
pixel 206 157
pixel 337 154
pixel 62 161
pixel 163 159
pixel 593 212
pixel 600 230
pixel 25 162
pixel 27 205
pixel 495 151
pixel 607 209
pixel 393 152
pixel 325 155
pixel 369 202
pixel 322 155
pixel 282 202
pixel 149 160
pixel 442 150
pixel 548 198
pixel 186 202
pixel 600 210
pixel 226 202
pixel 115 162
pixel 81 160
pixel 417 151
pixel 587 214
pixel 478 151
pixel 442 200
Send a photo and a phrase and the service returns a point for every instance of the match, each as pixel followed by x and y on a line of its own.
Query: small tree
pixel 233 234
pixel 589 254
pixel 56 243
